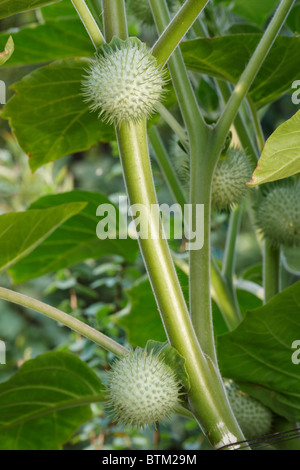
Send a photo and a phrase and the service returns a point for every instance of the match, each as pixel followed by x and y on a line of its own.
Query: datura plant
pixel 211 329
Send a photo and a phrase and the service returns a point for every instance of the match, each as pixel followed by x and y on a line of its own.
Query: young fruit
pixel 278 215
pixel 124 81
pixel 254 418
pixel 231 174
pixel 142 388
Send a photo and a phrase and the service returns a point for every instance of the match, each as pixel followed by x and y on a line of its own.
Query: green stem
pixel 67 320
pixel 207 396
pixel 225 297
pixel 176 29
pixel 257 124
pixel 271 271
pixel 89 22
pixel 173 123
pixel 242 87
pixel 240 125
pixel 229 254
pixel 222 293
pixel 166 167
pixel 95 7
pixel 200 188
pixel 115 23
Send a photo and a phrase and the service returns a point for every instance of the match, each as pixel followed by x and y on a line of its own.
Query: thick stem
pixel 176 29
pixel 89 22
pixel 271 271
pixel 75 325
pixel 166 167
pixel 200 188
pixel 242 87
pixel 207 397
pixel 115 23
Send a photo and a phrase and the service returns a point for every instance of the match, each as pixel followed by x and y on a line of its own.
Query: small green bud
pixel 278 215
pixel 253 417
pixel 142 388
pixel 124 82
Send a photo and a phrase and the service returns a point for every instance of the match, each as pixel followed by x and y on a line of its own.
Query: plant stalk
pixel 207 396
pixel 176 29
pixel 256 61
pixel 211 407
pixel 166 167
pixel 67 320
pixel 271 272
pixel 89 23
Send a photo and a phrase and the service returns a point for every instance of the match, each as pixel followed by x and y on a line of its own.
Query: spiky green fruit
pixel 253 417
pixel 142 388
pixel 278 215
pixel 124 82
pixel 231 174
pixel 142 10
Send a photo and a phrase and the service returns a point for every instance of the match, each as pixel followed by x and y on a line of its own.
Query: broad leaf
pixel 226 58
pixel 293 20
pixel 73 242
pixel 254 11
pixel 46 401
pixel 10 7
pixel 281 155
pixel 48 114
pixel 50 41
pixel 58 11
pixel 8 50
pixel 258 354
pixel 142 321
pixel 21 232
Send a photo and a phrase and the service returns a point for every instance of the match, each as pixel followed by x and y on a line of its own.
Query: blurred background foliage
pixel 102 292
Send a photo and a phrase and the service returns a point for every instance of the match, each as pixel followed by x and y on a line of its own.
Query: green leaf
pixel 48 115
pixel 46 401
pixel 281 154
pixel 75 241
pixel 258 354
pixel 10 7
pixel 21 232
pixel 51 41
pixel 142 320
pixel 255 11
pixel 58 11
pixel 293 20
pixel 226 58
pixel 8 50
